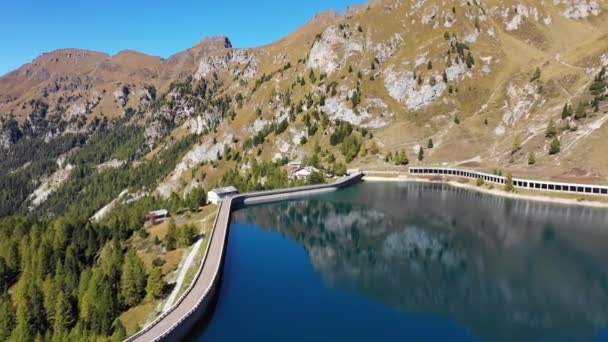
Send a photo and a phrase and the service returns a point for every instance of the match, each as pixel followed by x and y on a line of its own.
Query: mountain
pixel 487 82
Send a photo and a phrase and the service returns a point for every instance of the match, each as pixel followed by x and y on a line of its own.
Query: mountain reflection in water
pixel 501 267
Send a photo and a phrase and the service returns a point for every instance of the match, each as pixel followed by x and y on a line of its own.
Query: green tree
pixel 531 158
pixel 64 315
pixel 551 129
pixel 339 169
pixel 7 318
pixel 430 144
pixel 509 182
pixel 581 111
pixel 171 237
pixel 186 235
pixel 516 145
pixel 554 147
pixel 315 178
pixel 420 154
pixel 312 76
pixel 156 284
pixel 480 181
pixel 567 111
pixel 535 75
pixel 429 65
pixel 120 332
pixel 196 198
pixel 133 279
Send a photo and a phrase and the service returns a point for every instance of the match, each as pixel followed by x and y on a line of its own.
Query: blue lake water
pixel 413 261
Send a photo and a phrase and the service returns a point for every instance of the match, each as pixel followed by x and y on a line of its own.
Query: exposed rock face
pixel 240 62
pixel 333 47
pixel 122 95
pixel 49 185
pixel 403 87
pixel 204 152
pixel 580 9
pixel 520 102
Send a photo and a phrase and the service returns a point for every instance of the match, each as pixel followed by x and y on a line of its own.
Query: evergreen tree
pixel 420 154
pixel 554 147
pixel 581 111
pixel 516 145
pixel 133 279
pixel 531 158
pixel 196 198
pixel 566 112
pixel 156 284
pixel 120 332
pixel 509 183
pixel 551 129
pixel 171 237
pixel 7 318
pixel 363 150
pixel 186 235
pixel 536 75
pixel 63 317
pixel 430 144
pixel 312 76
pixel 429 65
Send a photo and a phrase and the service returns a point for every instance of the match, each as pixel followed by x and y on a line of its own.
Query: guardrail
pixel 225 208
pixel 587 189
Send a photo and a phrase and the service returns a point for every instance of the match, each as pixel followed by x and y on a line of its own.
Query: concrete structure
pixel 303 173
pixel 294 165
pixel 216 195
pixel 158 215
pixel 199 297
pixel 587 189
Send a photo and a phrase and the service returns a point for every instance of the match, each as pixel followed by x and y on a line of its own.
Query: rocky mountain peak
pixel 214 42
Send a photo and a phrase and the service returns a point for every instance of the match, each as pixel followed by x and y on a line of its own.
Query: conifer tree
pixel 566 112
pixel 430 143
pixel 186 235
pixel 554 147
pixel 63 317
pixel 7 318
pixel 420 154
pixel 509 182
pixel 171 237
pixel 581 112
pixel 551 129
pixel 133 279
pixel 156 284
pixel 531 158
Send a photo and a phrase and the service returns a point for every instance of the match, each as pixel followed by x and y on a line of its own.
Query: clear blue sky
pixel 31 27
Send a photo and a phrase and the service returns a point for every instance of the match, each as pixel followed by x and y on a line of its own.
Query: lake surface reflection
pixel 413 261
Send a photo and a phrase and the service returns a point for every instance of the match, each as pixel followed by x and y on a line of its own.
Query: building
pixel 294 166
pixel 215 196
pixel 303 173
pixel 158 216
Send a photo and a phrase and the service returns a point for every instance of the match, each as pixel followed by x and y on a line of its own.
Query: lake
pixel 413 261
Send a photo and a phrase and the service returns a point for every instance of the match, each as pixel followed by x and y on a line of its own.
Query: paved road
pixel 210 266
pixel 164 324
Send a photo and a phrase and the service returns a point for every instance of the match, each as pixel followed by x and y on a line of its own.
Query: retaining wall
pixel 587 189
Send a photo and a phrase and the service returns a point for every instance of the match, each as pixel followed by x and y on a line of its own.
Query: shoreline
pixel 495 191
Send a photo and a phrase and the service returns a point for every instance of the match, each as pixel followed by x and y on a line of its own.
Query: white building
pixel 216 195
pixel 294 165
pixel 303 173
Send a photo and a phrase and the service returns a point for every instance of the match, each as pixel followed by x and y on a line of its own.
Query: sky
pixel 30 27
